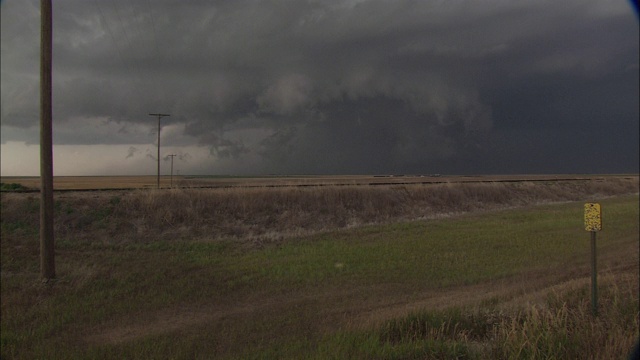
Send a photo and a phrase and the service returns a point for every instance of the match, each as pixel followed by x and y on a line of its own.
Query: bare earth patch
pixel 509 295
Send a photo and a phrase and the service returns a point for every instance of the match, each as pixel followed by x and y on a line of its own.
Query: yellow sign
pixel 592 217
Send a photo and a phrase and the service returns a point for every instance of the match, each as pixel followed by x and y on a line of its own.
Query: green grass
pixel 434 253
pixel 296 299
pixel 12 187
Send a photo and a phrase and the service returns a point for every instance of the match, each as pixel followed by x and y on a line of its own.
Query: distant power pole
pixel 47 247
pixel 171 181
pixel 159 116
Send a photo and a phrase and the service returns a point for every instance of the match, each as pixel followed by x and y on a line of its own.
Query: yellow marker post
pixel 592 217
pixel 593 224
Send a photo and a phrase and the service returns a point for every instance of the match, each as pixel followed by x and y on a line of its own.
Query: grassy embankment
pixel 276 282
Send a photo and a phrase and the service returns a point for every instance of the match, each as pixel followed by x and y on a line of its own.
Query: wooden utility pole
pixel 171 181
pixel 47 246
pixel 159 116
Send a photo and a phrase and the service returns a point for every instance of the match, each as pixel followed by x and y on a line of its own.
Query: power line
pixel 171 181
pixel 124 28
pixel 137 21
pixel 154 46
pixel 113 38
pixel 159 116
pixel 130 45
pixel 153 27
pixel 123 44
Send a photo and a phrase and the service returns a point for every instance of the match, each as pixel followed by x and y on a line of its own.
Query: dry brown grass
pixel 259 215
pixel 565 324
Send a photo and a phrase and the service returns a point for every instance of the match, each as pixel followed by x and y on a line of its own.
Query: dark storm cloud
pixel 345 86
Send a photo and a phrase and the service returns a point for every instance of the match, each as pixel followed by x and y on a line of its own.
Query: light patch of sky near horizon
pixel 84 160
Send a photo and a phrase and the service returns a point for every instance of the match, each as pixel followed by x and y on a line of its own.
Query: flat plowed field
pixel 150 182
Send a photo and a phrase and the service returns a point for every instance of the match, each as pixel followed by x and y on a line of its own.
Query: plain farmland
pixel 412 271
pixel 150 182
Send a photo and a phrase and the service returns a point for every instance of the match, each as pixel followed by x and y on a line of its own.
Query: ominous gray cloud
pixel 352 86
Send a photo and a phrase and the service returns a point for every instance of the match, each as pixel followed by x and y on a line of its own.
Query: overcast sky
pixel 326 87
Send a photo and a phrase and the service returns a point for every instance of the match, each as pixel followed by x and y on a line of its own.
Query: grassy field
pixel 482 271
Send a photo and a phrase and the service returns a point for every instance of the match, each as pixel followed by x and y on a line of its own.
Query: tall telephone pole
pixel 171 181
pixel 159 116
pixel 47 247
